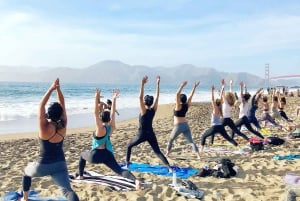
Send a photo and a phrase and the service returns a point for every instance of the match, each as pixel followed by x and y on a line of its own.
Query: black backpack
pixel 226 170
pixel 274 140
pixel 256 144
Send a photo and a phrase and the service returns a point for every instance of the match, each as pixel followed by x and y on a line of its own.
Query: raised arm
pixel 183 84
pixel 241 91
pixel 213 102
pixel 61 101
pixel 189 101
pixel 222 93
pixel 97 111
pixel 230 85
pixel 42 121
pixel 141 96
pixel 155 106
pixel 116 93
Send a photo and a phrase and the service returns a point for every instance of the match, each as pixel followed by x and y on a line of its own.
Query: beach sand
pixel 259 176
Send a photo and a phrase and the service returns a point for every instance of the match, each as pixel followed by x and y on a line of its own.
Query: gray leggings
pixel 59 173
pixel 291 192
pixel 184 128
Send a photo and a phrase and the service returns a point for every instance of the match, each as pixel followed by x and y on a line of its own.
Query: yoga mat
pixel 181 172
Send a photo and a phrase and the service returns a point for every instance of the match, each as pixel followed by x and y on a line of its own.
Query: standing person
pixel 52 131
pixel 180 122
pixel 275 105
pixel 109 104
pixel 266 115
pixel 216 122
pixel 243 112
pixel 148 108
pixel 228 102
pixel 281 106
pixel 254 105
pixel 102 150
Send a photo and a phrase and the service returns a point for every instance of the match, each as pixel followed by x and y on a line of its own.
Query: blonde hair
pixel 230 98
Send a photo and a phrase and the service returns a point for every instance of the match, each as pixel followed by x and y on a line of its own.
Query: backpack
pixel 225 168
pixel 274 140
pixel 256 144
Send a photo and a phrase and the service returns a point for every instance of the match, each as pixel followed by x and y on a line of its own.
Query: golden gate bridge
pixel 268 78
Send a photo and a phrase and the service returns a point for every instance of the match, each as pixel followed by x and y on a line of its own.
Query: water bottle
pixel 219 195
pixel 174 179
pixel 206 166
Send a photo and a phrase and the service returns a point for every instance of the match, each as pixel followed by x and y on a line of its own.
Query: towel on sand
pixel 181 172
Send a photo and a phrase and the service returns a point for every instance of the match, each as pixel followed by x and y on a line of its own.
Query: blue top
pixel 98 141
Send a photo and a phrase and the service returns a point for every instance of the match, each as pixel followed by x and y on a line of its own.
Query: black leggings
pixel 150 137
pixel 245 121
pixel 103 156
pixel 283 115
pixel 217 129
pixel 229 122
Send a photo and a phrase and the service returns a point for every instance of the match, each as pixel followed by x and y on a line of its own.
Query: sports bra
pixel 182 112
pixel 51 152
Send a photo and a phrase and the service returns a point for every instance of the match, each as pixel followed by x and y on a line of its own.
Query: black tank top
pixel 182 112
pixel 51 152
pixel 146 120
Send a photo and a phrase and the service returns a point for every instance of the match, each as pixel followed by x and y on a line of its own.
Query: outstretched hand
pixel 183 84
pixel 116 93
pixel 144 79
pixel 158 79
pixel 196 84
pixel 97 93
pixel 55 84
pixel 223 82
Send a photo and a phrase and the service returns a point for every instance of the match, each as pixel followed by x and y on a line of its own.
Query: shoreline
pixel 122 121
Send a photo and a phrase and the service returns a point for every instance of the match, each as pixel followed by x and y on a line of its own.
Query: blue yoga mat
pixel 33 195
pixel 287 157
pixel 181 172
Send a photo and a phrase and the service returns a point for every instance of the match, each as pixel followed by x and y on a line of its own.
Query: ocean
pixel 19 102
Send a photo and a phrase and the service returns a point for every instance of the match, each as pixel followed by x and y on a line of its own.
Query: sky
pixel 228 35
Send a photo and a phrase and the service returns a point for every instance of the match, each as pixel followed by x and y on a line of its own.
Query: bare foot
pixel 138 184
pixel 80 177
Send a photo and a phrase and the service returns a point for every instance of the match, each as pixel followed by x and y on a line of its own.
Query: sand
pixel 259 176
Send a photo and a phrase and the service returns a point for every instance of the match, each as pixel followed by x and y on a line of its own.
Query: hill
pixel 111 71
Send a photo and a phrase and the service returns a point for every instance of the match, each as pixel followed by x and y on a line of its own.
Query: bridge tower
pixel 267 75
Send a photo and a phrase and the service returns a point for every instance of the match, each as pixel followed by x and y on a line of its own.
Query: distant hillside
pixel 117 72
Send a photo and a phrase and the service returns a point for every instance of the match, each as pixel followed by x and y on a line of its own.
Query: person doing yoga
pixel 244 110
pixel 52 132
pixel 148 108
pixel 228 99
pixel 180 122
pixel 216 122
pixel 102 150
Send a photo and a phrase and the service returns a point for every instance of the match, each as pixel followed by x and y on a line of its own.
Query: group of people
pixel 53 127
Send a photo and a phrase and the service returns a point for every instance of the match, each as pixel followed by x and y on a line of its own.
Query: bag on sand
pixel 274 140
pixel 224 168
pixel 256 144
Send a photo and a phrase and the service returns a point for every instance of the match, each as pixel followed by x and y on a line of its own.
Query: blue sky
pixel 231 36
